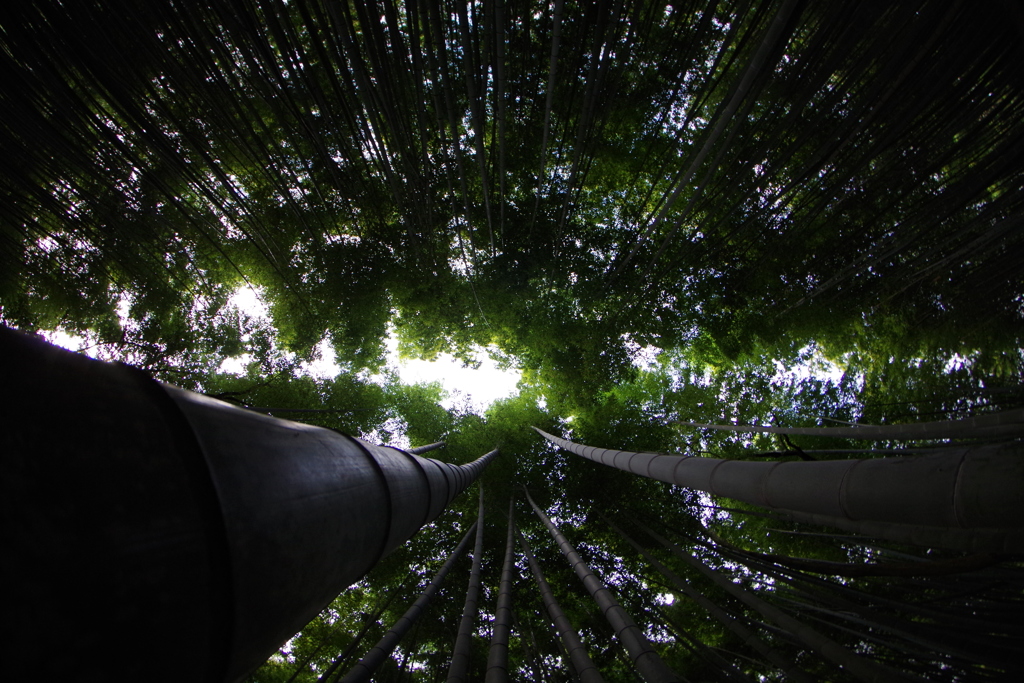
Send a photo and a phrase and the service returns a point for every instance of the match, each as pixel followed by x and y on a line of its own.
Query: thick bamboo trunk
pixel 967 498
pixel 578 657
pixel 363 671
pixel 171 522
pixel 497 656
pixel 642 655
pixel 463 642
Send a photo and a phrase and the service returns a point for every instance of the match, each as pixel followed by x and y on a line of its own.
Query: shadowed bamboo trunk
pixel 746 636
pixel 497 656
pixel 426 449
pixel 464 641
pixel 363 671
pixel 967 636
pixel 859 667
pixel 967 498
pixel 1007 423
pixel 171 522
pixel 340 659
pixel 725 670
pixel 915 567
pixel 585 668
pixel 642 655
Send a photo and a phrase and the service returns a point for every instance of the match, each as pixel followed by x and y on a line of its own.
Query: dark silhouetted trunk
pixel 578 657
pixel 171 522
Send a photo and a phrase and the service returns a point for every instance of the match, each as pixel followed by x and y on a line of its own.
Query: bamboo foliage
pixel 761 129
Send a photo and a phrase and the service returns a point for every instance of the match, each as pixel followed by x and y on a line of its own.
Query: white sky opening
pixel 479 387
pixel 71 342
pixel 813 363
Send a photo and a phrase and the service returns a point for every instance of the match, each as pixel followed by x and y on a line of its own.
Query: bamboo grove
pixel 877 610
pixel 738 185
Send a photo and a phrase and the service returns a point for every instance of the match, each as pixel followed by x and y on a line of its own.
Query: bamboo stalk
pixel 859 667
pixel 340 659
pixel 426 449
pixel 967 498
pixel 585 668
pixel 746 636
pixel 497 656
pixel 642 655
pixel 363 671
pixel 459 667
pixel 989 425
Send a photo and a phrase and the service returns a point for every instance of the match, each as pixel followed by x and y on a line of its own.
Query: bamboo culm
pixel 363 671
pixel 426 449
pixel 967 498
pixel 746 636
pixel 642 655
pixel 497 655
pixel 990 425
pixel 340 659
pixel 585 668
pixel 463 642
pixel 859 667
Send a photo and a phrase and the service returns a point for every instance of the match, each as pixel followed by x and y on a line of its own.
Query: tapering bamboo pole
pixel 585 668
pixel 642 655
pixel 426 449
pixel 459 667
pixel 363 671
pixel 990 425
pixel 340 659
pixel 968 498
pixel 497 656
pixel 746 636
pixel 176 522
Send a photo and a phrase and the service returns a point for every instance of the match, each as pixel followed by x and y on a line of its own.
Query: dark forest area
pixel 763 236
